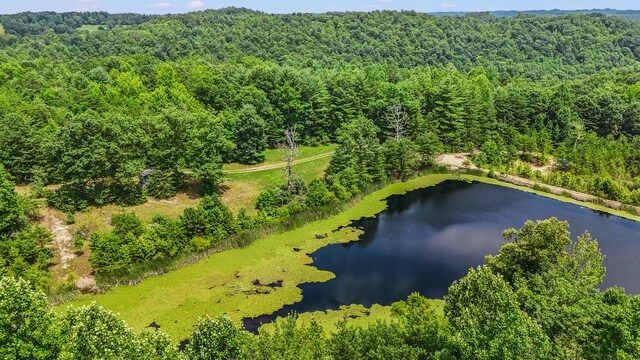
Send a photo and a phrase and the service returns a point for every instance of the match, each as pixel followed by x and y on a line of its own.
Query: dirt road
pixel 278 165
pixel 460 161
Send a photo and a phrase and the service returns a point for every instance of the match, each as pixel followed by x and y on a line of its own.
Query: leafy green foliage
pixel 131 243
pixel 27 329
pixel 358 160
pixel 211 218
pixel 533 46
pixel 91 332
pixel 217 338
pixel 489 323
pixel 23 246
pixel 12 207
pixel 250 136
pixel 93 110
pixel 164 184
pixel 318 195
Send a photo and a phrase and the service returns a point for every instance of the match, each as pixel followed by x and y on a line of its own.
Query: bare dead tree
pixel 397 119
pixel 289 149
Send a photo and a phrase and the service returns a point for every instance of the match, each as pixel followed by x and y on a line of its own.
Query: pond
pixel 430 237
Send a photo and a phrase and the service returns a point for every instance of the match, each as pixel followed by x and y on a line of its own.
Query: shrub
pixel 604 186
pixel 524 170
pixel 78 244
pixel 164 184
pixel 218 338
pixel 200 243
pixel 271 199
pixel 318 195
pixel 70 219
pixel 69 197
pixel 127 223
pixel 211 218
pixel 69 283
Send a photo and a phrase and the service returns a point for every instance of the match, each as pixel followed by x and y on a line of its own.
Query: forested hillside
pixel 633 15
pixel 532 46
pixel 99 109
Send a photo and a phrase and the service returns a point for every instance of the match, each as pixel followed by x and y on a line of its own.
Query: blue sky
pixel 288 6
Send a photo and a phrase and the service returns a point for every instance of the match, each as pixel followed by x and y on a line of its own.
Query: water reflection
pixel 428 238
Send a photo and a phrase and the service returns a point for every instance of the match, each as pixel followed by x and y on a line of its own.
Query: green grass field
pixel 241 190
pixel 89 28
pixel 237 191
pixel 275 156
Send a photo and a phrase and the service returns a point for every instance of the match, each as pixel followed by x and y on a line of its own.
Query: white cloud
pixel 195 4
pixel 161 5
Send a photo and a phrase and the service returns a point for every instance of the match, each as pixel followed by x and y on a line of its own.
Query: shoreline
pixel 223 283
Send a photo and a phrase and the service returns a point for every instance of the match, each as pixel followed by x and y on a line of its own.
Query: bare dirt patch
pixel 456 160
pixel 543 168
pixel 62 238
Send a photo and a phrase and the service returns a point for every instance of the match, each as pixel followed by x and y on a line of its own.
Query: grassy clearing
pixel 241 190
pixel 89 28
pixel 275 156
pixel 100 218
pixel 238 190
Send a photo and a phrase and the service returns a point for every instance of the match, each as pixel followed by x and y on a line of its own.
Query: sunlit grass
pixel 241 190
pixel 89 28
pixel 276 156
pixel 355 315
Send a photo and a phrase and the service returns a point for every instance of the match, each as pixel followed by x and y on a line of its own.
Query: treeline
pixel 535 299
pixel 96 126
pixel 25 249
pixel 633 15
pixel 30 23
pixel 530 46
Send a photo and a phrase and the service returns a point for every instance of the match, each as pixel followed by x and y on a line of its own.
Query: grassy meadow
pixel 237 191
pixel 90 28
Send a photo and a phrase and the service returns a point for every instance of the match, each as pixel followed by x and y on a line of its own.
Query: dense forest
pixel 526 45
pixel 100 109
pixel 633 15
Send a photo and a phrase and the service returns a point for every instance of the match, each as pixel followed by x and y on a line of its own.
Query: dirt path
pixel 279 165
pixel 459 161
pixel 62 238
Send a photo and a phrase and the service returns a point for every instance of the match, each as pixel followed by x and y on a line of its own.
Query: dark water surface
pixel 430 237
